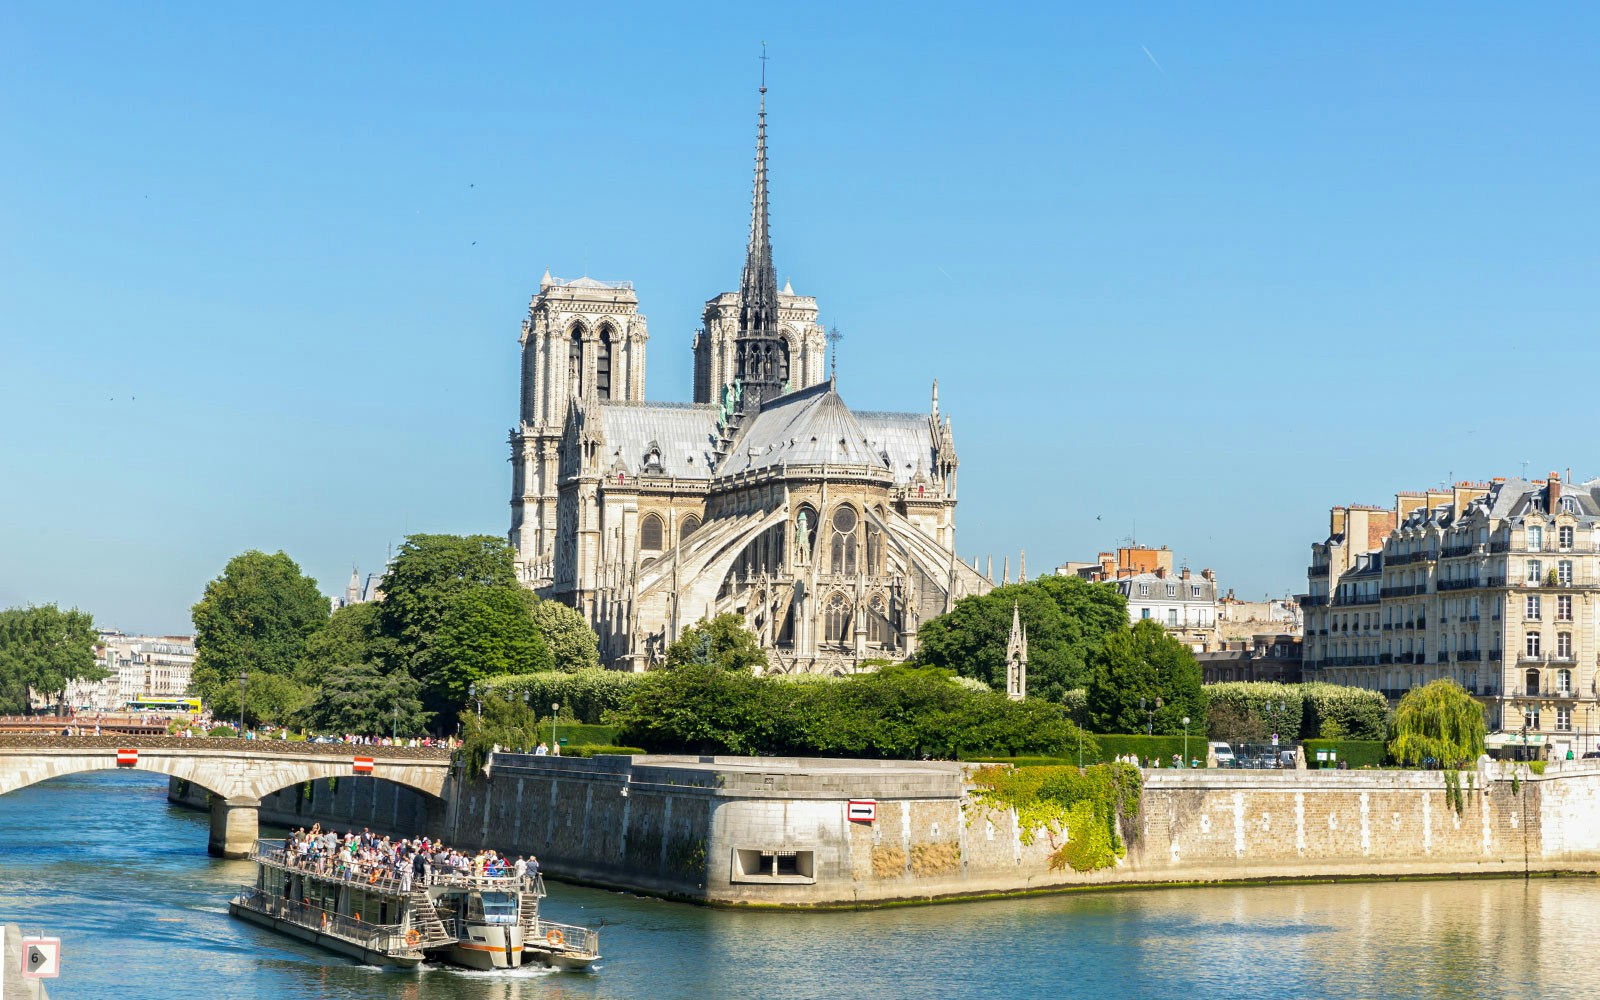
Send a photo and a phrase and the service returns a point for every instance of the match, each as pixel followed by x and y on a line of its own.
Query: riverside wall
pixel 775 831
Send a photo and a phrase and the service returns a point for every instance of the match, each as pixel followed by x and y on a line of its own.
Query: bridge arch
pixel 237 773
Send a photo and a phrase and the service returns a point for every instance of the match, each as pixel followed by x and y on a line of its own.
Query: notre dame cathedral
pixel 831 531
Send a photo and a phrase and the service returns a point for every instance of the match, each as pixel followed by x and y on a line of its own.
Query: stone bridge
pixel 236 772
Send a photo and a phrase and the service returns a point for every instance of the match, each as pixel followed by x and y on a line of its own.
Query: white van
pixel 1223 753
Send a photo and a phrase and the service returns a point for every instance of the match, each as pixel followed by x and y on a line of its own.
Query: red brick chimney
pixel 1552 493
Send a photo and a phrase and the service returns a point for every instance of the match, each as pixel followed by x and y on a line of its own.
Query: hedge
pixel 1110 748
pixel 587 695
pixel 1356 753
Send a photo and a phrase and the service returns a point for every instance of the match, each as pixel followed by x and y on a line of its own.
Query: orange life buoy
pixel 412 937
pixel 554 937
pixel 373 877
pixel 324 921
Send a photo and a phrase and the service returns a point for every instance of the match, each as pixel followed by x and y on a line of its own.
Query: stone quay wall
pixel 776 831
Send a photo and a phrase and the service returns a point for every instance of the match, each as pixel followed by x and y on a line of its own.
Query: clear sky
pixel 1207 269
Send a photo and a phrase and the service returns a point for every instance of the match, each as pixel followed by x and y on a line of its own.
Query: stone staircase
pixel 425 920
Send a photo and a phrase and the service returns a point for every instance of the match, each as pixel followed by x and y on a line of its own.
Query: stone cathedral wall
pixel 776 831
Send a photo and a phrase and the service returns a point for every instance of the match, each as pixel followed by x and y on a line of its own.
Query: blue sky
pixel 1207 268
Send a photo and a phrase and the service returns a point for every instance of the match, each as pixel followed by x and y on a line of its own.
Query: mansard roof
pixel 683 433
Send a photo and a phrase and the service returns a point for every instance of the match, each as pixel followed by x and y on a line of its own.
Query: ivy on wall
pixel 1085 806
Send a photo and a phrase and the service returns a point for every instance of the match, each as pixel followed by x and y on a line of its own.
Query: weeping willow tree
pixel 1439 721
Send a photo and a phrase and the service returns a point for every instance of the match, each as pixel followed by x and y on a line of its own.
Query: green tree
pixel 1067 620
pixel 703 707
pixel 572 642
pixel 1438 721
pixel 255 619
pixel 481 631
pixel 43 648
pixel 1145 662
pixel 355 688
pixel 427 571
pixel 723 642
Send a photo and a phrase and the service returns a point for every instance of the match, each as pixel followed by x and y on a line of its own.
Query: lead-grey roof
pixel 905 437
pixel 685 433
pixel 808 427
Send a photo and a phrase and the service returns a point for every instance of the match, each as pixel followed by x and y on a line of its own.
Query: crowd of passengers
pixel 414 861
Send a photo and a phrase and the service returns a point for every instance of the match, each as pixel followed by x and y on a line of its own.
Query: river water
pixel 124 879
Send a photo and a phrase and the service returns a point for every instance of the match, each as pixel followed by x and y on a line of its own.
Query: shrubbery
pixel 1087 806
pixel 898 712
pixel 586 695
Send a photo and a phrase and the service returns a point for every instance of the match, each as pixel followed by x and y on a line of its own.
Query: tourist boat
pixel 480 922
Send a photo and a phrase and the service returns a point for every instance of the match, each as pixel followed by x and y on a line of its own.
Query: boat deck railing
pixel 383 878
pixel 566 937
pixel 385 939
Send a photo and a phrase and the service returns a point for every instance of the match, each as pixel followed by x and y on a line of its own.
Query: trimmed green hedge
pixel 579 733
pixel 1356 753
pixel 1110 747
pixel 587 750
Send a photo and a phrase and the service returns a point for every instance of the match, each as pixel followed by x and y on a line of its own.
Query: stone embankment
pixel 780 832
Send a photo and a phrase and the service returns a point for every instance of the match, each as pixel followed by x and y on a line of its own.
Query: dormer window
pixel 1569 505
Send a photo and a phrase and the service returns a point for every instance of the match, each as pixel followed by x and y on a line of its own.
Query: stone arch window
pixel 575 363
pixel 805 532
pixel 691 524
pixel 652 534
pixel 782 360
pixel 602 362
pixel 843 550
pixel 836 619
pixel 875 545
pixel 880 631
pixel 1531 678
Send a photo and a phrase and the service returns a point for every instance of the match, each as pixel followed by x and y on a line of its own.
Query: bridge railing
pixel 298 748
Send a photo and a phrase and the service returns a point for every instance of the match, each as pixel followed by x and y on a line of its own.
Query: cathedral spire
pixel 762 355
pixel 1017 657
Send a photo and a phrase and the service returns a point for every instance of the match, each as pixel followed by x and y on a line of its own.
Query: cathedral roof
pixel 809 427
pixel 682 435
pixel 904 437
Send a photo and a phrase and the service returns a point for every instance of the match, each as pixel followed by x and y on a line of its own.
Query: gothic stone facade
pixel 831 531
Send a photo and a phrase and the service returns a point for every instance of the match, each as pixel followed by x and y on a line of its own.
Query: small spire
pixel 1005 572
pixel 834 336
pixel 990 572
pixel 788 289
pixel 1022 567
pixel 546 281
pixel 936 399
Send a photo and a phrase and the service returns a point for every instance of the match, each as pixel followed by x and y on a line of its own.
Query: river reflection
pixel 125 880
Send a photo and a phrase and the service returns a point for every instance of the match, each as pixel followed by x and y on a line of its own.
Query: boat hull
pixel 488 947
pixel 327 941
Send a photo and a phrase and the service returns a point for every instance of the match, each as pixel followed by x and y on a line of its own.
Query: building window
pixel 1565 535
pixel 602 364
pixel 880 631
pixel 1564 645
pixel 1532 609
pixel 690 525
pixel 1533 571
pixel 836 619
pixel 1144 590
pixel 1530 716
pixel 1532 644
pixel 1569 504
pixel 1144 612
pixel 1563 719
pixel 575 364
pixel 1564 572
pixel 1194 590
pixel 1564 683
pixel 651 534
pixel 1535 538
pixel 1564 608
pixel 844 540
pixel 1172 617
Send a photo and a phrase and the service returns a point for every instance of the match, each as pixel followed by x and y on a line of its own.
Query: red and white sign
pixel 363 765
pixel 862 811
pixel 41 957
pixel 127 758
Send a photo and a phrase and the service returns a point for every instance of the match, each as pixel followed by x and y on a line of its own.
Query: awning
pixel 1495 741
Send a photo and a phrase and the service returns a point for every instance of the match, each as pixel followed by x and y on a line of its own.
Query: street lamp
pixel 242 678
pixel 555 706
pixel 1150 716
pixel 394 727
pixel 1185 741
pixel 472 692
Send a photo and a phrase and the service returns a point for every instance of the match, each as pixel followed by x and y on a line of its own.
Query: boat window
pixel 499 908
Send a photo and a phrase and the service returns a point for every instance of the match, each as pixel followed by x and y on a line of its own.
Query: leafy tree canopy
pixel 355 688
pixel 572 642
pixel 43 648
pixel 722 642
pixel 481 631
pixel 1438 721
pixel 255 619
pixel 1067 619
pixel 1145 662
pixel 427 571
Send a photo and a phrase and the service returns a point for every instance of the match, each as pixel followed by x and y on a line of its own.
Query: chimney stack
pixel 1552 493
